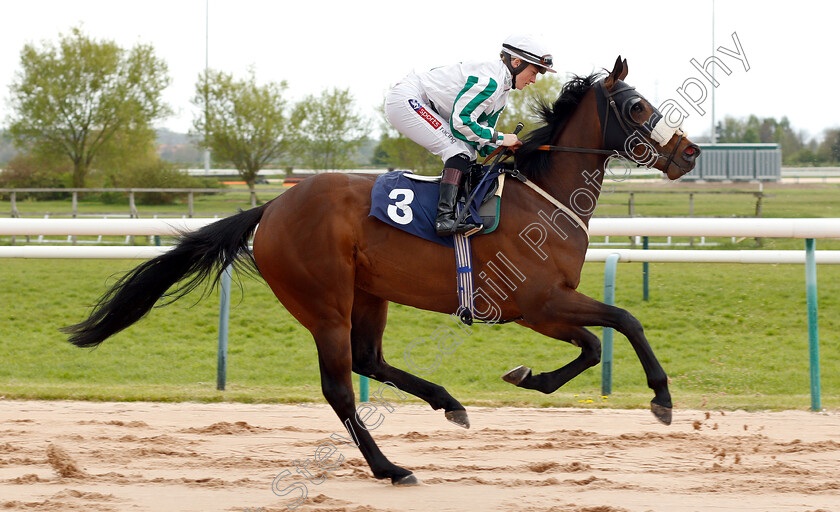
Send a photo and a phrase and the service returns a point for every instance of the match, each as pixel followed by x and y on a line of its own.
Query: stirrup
pixel 469 229
pixel 461 229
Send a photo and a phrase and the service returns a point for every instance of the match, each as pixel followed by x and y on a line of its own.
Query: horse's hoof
pixel 661 412
pixel 408 479
pixel 517 375
pixel 458 417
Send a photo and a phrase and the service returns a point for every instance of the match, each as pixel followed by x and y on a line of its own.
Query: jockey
pixel 452 112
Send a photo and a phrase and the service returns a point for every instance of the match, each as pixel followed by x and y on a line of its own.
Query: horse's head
pixel 631 125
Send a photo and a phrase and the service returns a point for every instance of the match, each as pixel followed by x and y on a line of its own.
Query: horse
pixel 336 269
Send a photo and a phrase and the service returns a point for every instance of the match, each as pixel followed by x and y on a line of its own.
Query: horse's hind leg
pixel 369 316
pixel 335 361
pixel 316 286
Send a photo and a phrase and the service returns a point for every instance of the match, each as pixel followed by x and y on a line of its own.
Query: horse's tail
pixel 197 256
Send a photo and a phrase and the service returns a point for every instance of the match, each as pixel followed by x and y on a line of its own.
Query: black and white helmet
pixel 529 50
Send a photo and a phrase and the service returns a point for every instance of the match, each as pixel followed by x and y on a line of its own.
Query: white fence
pixel 634 226
pixel 625 255
pixel 22 227
pixel 637 226
pixel 694 226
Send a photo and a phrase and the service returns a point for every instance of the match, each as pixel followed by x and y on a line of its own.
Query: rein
pixel 585 150
pixel 624 154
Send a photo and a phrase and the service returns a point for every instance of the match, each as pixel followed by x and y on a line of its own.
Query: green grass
pixel 729 336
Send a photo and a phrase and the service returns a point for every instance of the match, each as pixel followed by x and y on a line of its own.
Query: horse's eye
pixel 637 108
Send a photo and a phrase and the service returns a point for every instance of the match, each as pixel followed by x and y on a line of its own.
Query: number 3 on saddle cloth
pixel 409 202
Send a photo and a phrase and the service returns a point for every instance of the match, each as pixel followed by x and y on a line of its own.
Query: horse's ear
pixel 618 73
pixel 624 70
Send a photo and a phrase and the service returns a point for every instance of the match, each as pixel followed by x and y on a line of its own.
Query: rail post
pixel 15 213
pixel 132 206
pixel 364 388
pixel 224 315
pixel 607 341
pixel 13 199
pixel 645 272
pixel 132 210
pixel 75 211
pixel 813 328
pixel 758 196
pixel 690 214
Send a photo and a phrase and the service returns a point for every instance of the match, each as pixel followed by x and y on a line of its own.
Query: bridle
pixel 616 104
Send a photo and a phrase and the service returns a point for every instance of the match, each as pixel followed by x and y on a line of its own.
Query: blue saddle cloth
pixel 409 202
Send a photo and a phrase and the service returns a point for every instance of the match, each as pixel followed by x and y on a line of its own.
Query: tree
pixel 520 104
pixel 829 149
pixel 129 151
pixel 789 141
pixel 396 151
pixel 729 130
pixel 7 147
pixel 400 152
pixel 329 132
pixel 72 100
pixel 753 129
pixel 36 171
pixel 244 123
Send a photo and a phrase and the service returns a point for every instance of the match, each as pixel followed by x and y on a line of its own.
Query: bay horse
pixel 335 268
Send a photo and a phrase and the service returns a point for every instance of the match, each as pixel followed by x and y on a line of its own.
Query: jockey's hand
pixel 511 140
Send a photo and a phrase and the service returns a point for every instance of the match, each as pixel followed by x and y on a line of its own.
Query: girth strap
pixel 463 267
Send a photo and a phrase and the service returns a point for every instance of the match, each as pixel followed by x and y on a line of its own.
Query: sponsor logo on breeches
pixel 425 114
pixel 431 119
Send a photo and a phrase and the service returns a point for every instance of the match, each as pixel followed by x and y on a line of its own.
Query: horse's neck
pixel 576 179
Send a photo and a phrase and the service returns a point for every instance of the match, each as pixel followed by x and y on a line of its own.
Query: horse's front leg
pixel 563 317
pixel 549 382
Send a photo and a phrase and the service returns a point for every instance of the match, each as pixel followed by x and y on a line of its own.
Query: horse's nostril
pixel 691 152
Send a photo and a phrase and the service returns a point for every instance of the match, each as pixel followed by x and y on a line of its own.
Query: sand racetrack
pixel 95 456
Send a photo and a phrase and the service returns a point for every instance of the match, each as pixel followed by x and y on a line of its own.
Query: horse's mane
pixel 531 161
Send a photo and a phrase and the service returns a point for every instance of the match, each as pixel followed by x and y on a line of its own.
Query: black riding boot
pixel 445 223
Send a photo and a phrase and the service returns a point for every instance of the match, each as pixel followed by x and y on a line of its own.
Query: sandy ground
pixel 225 457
